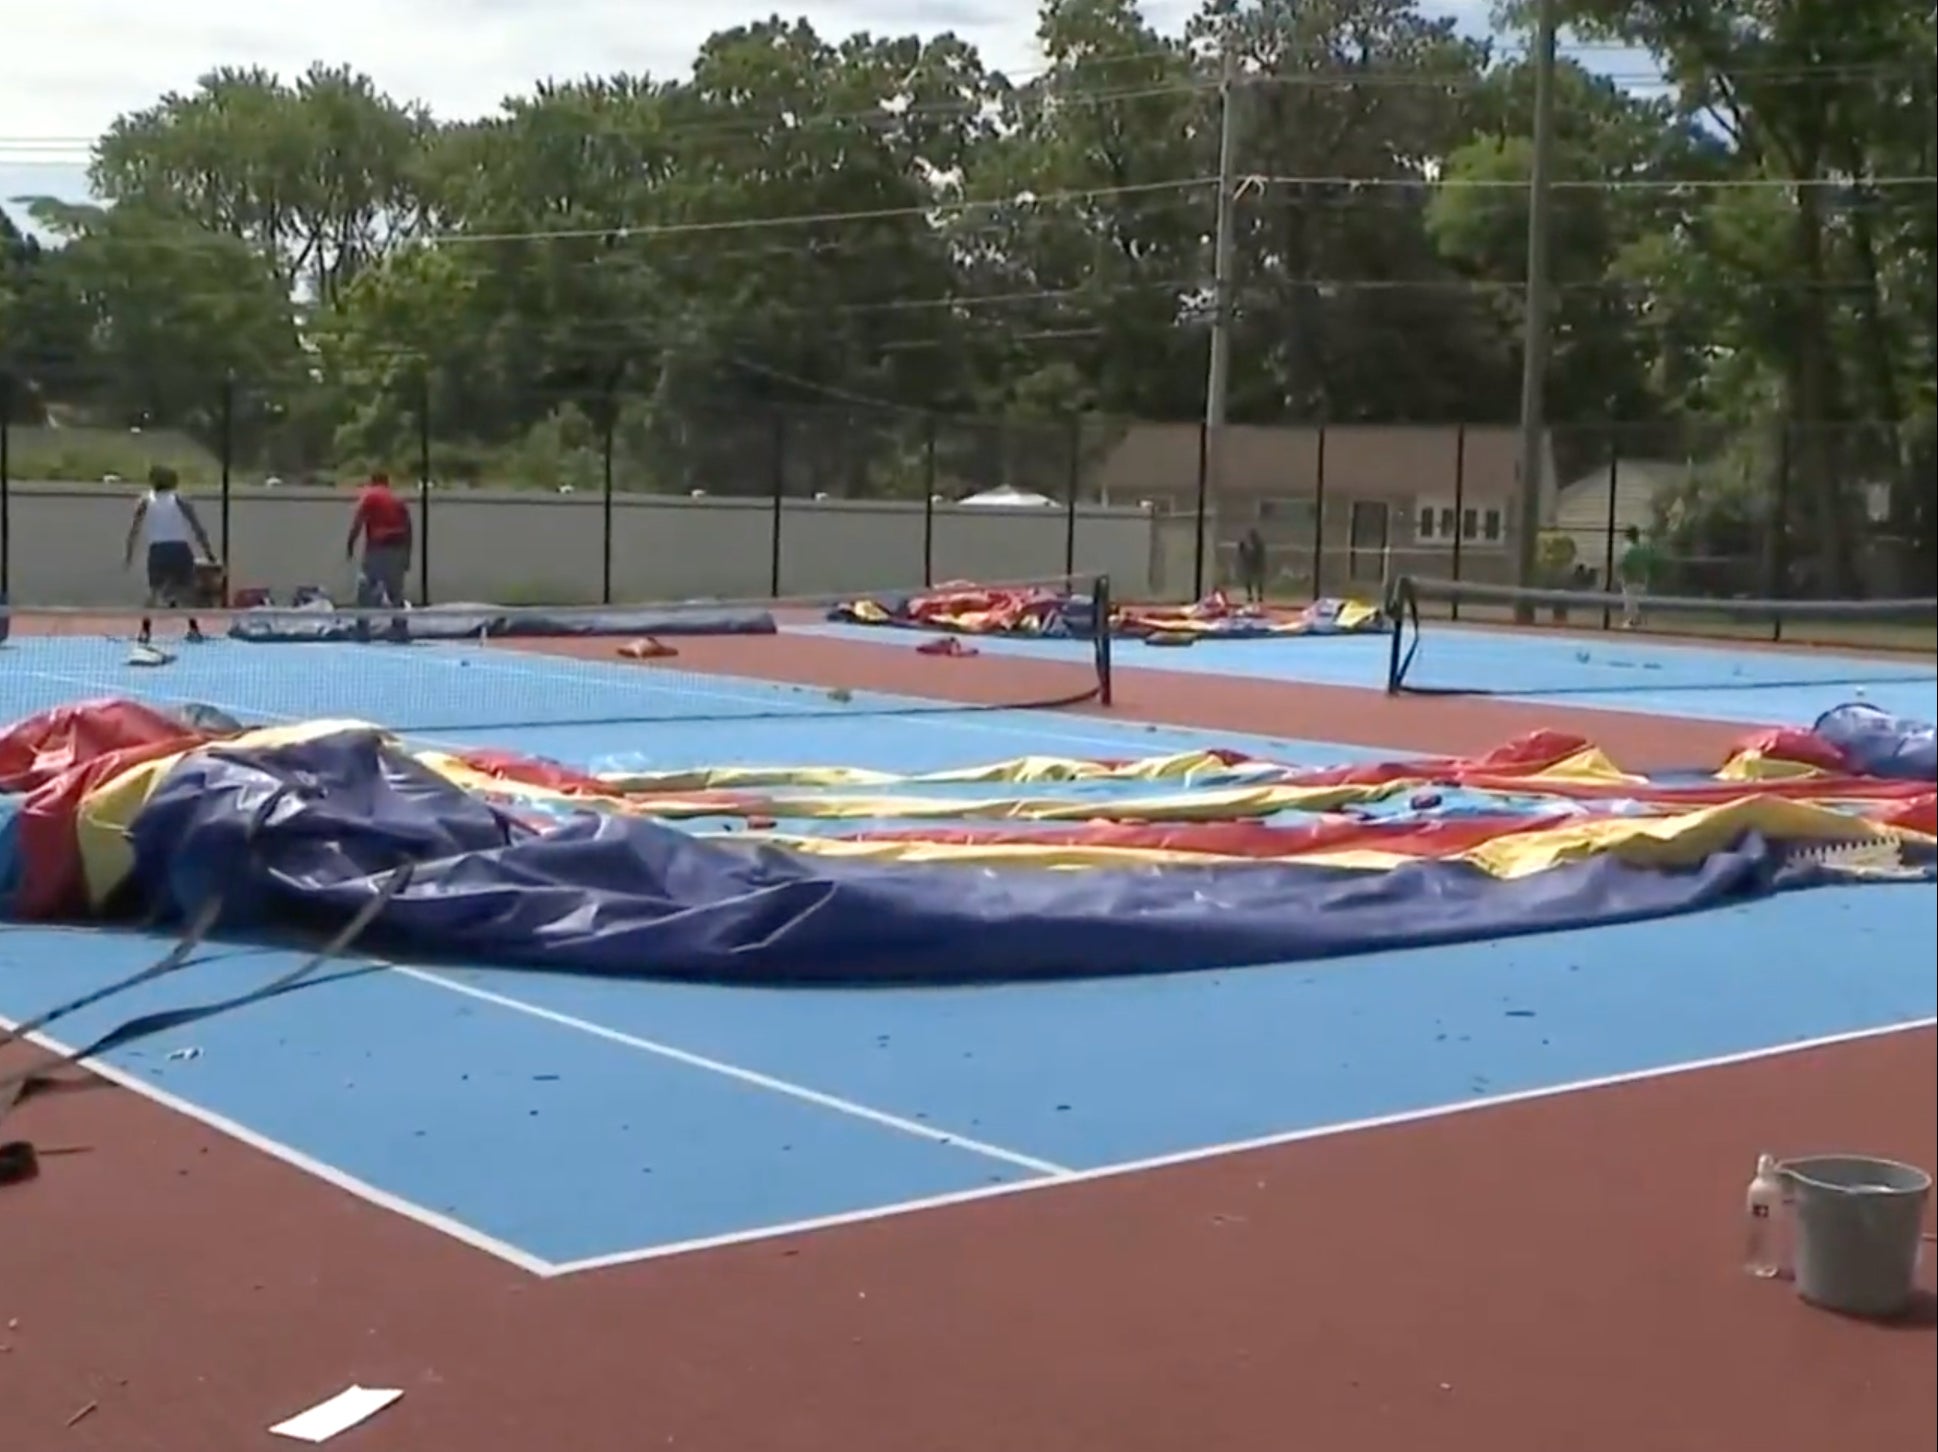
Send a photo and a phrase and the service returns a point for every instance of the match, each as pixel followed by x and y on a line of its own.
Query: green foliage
pixel 79 454
pixel 1813 300
pixel 782 260
pixel 1556 555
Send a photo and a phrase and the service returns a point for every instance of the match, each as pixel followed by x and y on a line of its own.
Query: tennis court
pixel 1753 683
pixel 1308 1177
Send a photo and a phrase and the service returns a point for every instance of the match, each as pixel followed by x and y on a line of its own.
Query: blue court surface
pixel 564 1123
pixel 1609 671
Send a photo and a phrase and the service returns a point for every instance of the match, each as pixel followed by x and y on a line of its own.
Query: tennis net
pixel 473 667
pixel 1461 638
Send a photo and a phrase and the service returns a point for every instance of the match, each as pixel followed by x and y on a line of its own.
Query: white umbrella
pixel 1011 497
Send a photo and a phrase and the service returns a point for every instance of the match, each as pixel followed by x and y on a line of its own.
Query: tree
pixel 786 258
pixel 322 176
pixel 1608 361
pixel 1100 248
pixel 1819 103
pixel 171 311
pixel 1347 310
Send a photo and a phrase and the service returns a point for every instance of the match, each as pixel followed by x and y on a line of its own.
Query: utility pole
pixel 1218 371
pixel 1534 342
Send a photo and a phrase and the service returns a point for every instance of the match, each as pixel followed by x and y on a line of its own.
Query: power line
pixel 1189 294
pixel 811 219
pixel 1603 184
pixel 1337 190
pixel 644 335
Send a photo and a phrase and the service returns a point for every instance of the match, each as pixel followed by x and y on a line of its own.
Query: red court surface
pixel 1560 1274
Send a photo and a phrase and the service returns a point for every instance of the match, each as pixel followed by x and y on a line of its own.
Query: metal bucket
pixel 1859 1231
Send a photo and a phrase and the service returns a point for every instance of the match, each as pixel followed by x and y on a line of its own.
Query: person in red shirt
pixel 382 521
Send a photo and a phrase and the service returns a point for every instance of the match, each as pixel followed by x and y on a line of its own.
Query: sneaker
pixel 194 636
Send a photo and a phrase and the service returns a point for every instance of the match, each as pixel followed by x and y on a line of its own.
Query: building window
pixel 1436 523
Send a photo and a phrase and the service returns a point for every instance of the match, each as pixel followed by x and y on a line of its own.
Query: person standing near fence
pixel 382 521
pixel 168 525
pixel 1251 565
pixel 1636 570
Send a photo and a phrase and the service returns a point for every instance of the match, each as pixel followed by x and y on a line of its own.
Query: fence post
pixel 6 485
pixel 1070 495
pixel 1780 546
pixel 928 499
pixel 1204 486
pixel 780 491
pixel 1319 516
pixel 605 505
pixel 1614 518
pixel 1460 511
pixel 424 489
pixel 227 458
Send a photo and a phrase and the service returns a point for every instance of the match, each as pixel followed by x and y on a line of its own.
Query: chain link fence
pixel 603 493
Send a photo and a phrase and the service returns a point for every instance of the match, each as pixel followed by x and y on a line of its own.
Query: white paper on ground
pixel 340 1413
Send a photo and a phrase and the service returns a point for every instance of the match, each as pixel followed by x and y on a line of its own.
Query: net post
pixel 1101 608
pixel 1460 508
pixel 1396 600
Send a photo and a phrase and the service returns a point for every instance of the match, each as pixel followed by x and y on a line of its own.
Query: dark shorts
pixel 171 571
pixel 386 568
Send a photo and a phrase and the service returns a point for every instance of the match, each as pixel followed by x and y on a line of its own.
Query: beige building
pixel 1340 506
pixel 1584 512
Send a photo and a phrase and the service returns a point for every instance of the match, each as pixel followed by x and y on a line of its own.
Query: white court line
pixel 321 1169
pixel 1222 1151
pixel 1053 1175
pixel 539 1267
pixel 754 1078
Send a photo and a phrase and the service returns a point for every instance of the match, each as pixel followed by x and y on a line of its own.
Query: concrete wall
pixel 518 547
pixel 1400 463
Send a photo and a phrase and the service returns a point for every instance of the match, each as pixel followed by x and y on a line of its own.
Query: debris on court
pixel 348 1408
pixel 1037 866
pixel 1064 611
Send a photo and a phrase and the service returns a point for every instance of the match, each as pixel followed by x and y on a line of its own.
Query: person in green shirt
pixel 1635 569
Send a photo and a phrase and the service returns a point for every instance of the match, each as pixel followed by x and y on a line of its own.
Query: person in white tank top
pixel 168 526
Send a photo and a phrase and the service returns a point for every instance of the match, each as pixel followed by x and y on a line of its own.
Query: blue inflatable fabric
pixel 1876 743
pixel 623 895
pixel 470 622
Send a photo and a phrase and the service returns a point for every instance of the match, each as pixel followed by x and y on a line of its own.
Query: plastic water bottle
pixel 1764 1206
